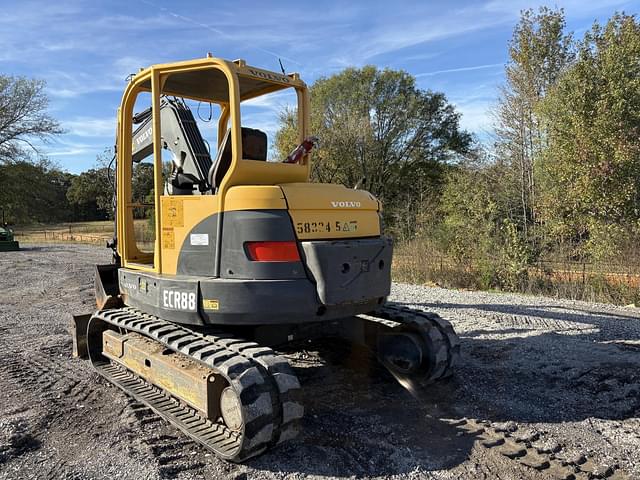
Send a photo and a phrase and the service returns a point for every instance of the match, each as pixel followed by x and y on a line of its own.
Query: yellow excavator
pixel 247 255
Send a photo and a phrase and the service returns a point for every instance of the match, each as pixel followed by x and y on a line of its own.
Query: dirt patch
pixel 545 388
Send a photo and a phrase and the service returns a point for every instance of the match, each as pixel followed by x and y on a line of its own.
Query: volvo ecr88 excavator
pixel 248 254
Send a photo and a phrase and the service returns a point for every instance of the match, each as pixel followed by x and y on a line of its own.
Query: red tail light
pixel 273 251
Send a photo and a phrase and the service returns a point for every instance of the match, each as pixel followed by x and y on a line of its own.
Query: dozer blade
pixel 106 286
pixel 78 327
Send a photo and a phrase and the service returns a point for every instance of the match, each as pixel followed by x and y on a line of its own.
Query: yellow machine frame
pixel 191 80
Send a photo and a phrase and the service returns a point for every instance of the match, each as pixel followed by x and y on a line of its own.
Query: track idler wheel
pixel 415 354
pixel 402 352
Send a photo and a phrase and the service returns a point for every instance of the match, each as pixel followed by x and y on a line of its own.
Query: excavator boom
pixel 181 136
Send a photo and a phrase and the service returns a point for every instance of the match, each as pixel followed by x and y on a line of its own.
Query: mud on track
pixel 545 389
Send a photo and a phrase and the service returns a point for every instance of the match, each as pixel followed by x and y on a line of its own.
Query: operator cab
pixel 190 156
pixel 187 142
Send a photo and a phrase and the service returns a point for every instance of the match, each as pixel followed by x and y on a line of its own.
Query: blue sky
pixel 84 49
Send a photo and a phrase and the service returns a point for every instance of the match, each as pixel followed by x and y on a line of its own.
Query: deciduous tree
pixel 592 163
pixel 539 52
pixel 23 117
pixel 378 129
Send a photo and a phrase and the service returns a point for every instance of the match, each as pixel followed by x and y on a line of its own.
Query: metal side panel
pixel 196 254
pixel 330 212
pixel 173 298
pixel 239 227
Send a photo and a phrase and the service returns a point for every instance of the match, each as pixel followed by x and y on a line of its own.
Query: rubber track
pixel 265 383
pixel 438 334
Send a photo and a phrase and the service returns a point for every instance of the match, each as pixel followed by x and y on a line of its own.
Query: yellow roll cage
pixel 212 80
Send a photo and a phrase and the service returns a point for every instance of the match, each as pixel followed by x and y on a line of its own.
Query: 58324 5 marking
pixel 330 226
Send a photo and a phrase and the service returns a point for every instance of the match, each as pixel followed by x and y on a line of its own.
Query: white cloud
pixel 274 101
pixel 85 51
pixel 130 64
pixel 91 127
pixel 69 149
pixel 66 85
pixel 420 56
pixel 265 121
pixel 242 35
pixel 460 69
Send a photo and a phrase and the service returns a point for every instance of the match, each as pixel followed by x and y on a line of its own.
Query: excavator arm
pixel 181 136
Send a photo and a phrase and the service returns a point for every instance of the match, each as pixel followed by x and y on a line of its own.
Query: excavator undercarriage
pixel 234 396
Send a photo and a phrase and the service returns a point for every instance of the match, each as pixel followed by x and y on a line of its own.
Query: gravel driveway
pixel 546 388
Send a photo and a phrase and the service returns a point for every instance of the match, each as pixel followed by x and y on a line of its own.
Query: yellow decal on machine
pixel 168 238
pixel 173 213
pixel 209 304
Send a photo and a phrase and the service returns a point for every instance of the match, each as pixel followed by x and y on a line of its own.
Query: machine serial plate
pixel 327 226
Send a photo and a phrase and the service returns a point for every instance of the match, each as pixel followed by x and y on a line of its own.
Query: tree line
pixel 32 188
pixel 561 180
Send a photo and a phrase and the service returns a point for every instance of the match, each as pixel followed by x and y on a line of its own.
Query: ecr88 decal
pixel 176 300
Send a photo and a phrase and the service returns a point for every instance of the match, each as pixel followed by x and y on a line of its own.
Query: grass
pixel 84 232
pixel 606 283
pixel 98 232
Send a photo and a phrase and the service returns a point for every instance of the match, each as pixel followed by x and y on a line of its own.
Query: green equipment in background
pixel 7 243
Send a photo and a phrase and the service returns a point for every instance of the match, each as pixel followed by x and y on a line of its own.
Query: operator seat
pixel 254 147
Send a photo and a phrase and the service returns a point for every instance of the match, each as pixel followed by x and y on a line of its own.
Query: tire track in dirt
pixel 528 449
pixel 52 377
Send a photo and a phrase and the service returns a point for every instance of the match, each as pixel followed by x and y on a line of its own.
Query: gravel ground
pixel 545 387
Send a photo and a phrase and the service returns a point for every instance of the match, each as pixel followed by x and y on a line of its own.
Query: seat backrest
pixel 254 147
pixel 254 144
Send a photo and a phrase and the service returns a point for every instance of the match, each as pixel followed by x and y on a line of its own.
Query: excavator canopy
pixel 210 85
